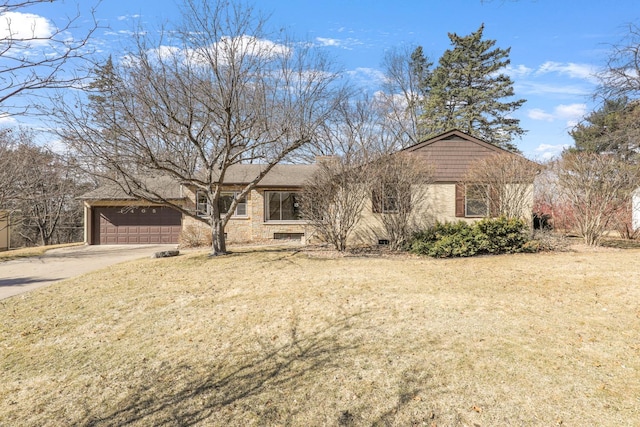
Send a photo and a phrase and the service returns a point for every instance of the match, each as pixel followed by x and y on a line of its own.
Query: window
pixel 224 204
pixel 476 200
pixel 389 197
pixel 225 200
pixel 282 206
pixel 202 204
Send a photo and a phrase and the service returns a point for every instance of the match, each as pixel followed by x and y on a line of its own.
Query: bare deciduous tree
pixel 221 93
pixel 597 187
pixel 509 181
pixel 35 53
pixel 46 202
pixel 351 131
pixel 9 168
pixel 332 201
pixel 38 189
pixel 399 196
pixel 621 75
pixel 366 166
pixel 402 92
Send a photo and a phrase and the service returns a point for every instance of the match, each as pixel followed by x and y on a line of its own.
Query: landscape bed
pixel 288 337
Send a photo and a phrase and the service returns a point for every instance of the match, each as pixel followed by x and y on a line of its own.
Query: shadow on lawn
pixel 410 385
pixel 215 395
pixel 22 281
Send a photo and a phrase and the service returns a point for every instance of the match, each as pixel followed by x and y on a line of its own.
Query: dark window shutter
pixel 494 202
pixel 459 200
pixel 376 200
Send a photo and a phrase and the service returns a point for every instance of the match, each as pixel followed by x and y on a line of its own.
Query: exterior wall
pixel 4 231
pixel 253 227
pixel 264 230
pixel 635 210
pixel 438 204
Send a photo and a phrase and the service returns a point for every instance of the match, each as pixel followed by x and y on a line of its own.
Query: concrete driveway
pixel 26 274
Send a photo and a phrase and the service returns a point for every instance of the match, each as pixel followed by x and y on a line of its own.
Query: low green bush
pixel 461 239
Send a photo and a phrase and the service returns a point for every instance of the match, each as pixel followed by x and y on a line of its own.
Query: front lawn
pixel 282 337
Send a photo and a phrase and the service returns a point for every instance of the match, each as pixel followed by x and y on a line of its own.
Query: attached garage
pixel 113 217
pixel 124 225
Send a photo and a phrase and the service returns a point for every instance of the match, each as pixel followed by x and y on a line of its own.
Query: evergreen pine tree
pixel 104 104
pixel 420 68
pixel 102 92
pixel 614 128
pixel 467 91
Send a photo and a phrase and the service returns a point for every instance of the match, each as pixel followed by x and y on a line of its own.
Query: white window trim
pixel 207 210
pixel 202 213
pixel 235 214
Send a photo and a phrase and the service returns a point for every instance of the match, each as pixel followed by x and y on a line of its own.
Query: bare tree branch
pixel 36 54
pixel 37 188
pixel 400 185
pixel 509 180
pixel 225 95
pixel 596 188
pixel 621 75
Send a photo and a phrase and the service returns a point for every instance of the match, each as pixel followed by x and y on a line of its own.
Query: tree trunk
pixel 217 238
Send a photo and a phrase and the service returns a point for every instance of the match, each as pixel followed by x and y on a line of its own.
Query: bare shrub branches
pixel 510 183
pixel 399 195
pixel 332 201
pixel 597 187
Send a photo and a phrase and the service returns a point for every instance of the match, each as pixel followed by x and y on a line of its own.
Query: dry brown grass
pixel 32 252
pixel 278 337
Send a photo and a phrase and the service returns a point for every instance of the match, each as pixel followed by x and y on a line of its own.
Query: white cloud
pixel 324 41
pixel 25 26
pixel 347 43
pixel 226 46
pixel 396 99
pixel 369 77
pixel 165 52
pixel 571 113
pixel 7 120
pixel 548 151
pixel 533 88
pixel 570 69
pixel 125 17
pixel 539 114
pixel 519 71
pixel 246 45
pixel 56 145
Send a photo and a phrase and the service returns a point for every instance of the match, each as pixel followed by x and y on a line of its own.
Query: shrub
pixel 501 235
pixel 195 236
pixel 460 239
pixel 549 241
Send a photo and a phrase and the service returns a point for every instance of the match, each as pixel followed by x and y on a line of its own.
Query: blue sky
pixel 556 45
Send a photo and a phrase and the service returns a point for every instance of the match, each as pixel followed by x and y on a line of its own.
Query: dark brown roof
pixel 452 152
